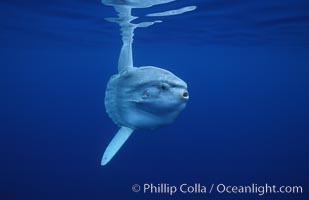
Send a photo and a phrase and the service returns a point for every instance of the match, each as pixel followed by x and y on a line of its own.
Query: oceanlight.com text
pixel 220 188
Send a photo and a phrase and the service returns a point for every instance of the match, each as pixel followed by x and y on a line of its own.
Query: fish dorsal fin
pixel 125 60
pixel 119 139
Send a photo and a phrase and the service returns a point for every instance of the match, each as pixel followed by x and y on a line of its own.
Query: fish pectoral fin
pixel 119 139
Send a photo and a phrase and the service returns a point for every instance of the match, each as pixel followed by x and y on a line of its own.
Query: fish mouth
pixel 185 95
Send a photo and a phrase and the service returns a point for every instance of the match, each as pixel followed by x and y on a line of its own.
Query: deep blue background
pixel 247 121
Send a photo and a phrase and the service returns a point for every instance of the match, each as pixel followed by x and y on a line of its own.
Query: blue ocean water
pixel 247 120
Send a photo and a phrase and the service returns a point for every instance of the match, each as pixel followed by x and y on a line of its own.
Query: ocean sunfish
pixel 142 98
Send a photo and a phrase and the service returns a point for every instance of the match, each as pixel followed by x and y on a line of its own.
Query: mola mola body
pixel 142 98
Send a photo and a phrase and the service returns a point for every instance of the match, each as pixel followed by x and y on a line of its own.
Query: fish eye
pixel 164 86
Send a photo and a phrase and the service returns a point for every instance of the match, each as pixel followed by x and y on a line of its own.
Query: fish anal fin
pixel 119 139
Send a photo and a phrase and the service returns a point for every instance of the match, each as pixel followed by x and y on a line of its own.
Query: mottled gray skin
pixel 145 97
